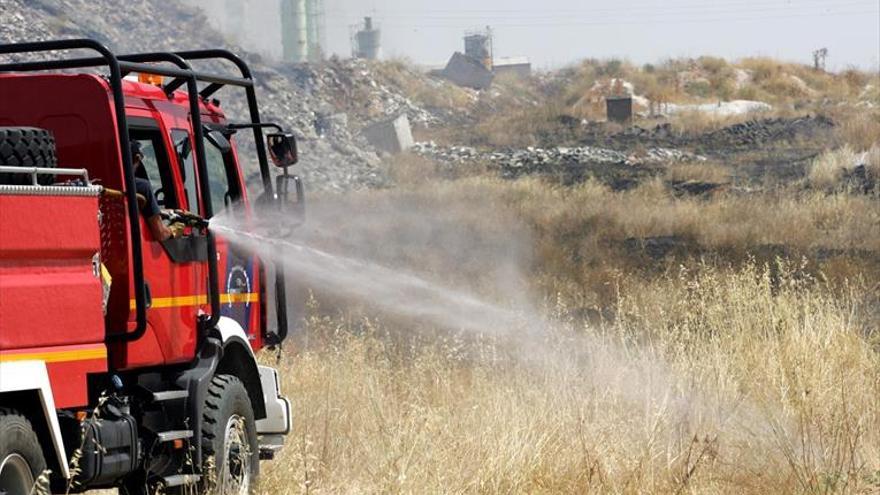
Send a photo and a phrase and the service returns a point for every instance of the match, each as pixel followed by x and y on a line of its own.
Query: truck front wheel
pixel 21 458
pixel 229 438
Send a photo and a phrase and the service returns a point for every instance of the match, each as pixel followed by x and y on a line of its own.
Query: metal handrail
pixel 35 171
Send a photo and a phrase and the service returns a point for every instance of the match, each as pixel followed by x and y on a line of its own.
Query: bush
pixel 827 169
pixel 713 65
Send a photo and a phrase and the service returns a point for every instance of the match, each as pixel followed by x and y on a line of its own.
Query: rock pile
pixel 756 133
pixel 570 164
pixel 532 157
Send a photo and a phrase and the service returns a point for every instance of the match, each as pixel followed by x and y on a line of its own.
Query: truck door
pixel 175 289
pixel 239 282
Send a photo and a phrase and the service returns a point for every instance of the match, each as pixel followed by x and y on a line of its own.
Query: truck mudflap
pixel 279 420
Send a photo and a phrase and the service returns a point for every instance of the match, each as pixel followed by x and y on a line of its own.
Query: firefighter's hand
pixel 177 229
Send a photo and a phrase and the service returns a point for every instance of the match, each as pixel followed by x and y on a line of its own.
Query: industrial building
pixel 366 42
pixel 514 66
pixel 477 67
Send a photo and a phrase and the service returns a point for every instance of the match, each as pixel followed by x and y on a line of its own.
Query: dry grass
pixel 712 376
pixel 699 171
pixel 696 122
pixel 828 169
pixel 429 92
pixel 859 128
pixel 745 360
pixel 709 382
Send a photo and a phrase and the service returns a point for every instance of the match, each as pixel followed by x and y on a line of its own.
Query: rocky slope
pixel 324 105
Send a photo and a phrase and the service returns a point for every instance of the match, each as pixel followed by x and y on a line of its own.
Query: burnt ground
pixel 760 152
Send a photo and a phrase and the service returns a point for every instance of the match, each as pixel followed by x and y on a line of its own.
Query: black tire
pixel 26 147
pixel 21 458
pixel 227 402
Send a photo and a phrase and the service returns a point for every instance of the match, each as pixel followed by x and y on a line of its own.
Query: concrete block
pixel 391 135
pixel 619 108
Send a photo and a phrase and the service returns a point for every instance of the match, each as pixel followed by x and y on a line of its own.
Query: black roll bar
pixel 201 162
pixel 109 59
pixel 257 126
pixel 251 99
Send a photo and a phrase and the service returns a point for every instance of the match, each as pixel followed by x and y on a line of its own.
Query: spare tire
pixel 26 147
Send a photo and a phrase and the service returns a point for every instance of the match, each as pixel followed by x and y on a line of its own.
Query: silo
pixel 315 30
pixel 367 41
pixel 294 30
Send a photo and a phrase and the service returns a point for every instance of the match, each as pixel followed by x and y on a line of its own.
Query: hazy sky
pixel 556 32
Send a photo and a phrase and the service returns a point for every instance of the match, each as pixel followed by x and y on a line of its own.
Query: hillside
pixel 347 94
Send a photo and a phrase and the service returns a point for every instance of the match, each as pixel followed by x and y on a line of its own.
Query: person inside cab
pixel 149 206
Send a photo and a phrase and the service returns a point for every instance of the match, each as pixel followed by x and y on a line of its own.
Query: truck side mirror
pixel 282 149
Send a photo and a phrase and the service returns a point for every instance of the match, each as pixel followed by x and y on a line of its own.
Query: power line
pixel 629 10
pixel 610 21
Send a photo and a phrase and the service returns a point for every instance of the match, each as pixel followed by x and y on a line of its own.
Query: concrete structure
pixel 294 30
pixel 516 66
pixel 619 108
pixel 478 46
pixel 392 135
pixel 367 41
pixel 467 71
pixel 301 30
pixel 315 30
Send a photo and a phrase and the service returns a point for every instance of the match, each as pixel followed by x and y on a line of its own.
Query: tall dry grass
pixel 709 382
pixel 704 375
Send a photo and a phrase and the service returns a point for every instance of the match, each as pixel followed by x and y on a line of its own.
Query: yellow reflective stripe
pixel 244 297
pixel 181 301
pixel 57 356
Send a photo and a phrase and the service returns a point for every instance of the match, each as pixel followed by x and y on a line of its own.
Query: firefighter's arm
pixel 158 229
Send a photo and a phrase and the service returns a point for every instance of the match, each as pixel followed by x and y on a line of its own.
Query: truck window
pixel 155 166
pixel 184 150
pixel 222 178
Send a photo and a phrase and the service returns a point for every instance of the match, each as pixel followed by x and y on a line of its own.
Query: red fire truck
pixel 125 360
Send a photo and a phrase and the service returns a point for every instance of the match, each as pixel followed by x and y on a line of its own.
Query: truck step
pixel 169 395
pixel 181 479
pixel 168 436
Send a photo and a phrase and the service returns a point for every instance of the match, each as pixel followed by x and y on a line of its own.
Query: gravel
pixel 532 158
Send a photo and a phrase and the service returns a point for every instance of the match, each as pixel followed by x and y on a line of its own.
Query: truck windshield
pixel 222 177
pixel 155 166
pixel 183 148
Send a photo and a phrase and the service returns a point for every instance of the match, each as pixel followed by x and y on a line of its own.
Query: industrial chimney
pixel 301 30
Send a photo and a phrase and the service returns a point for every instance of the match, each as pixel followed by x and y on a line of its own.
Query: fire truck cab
pixel 125 360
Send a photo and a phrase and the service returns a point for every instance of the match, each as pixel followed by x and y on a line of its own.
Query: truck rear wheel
pixel 21 458
pixel 26 147
pixel 229 438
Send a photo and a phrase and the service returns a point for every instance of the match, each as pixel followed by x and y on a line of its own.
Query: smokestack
pixel 294 30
